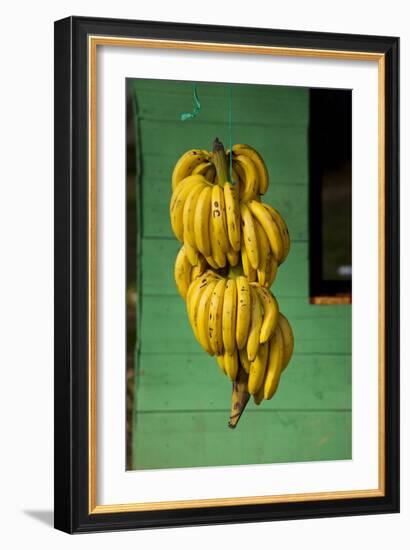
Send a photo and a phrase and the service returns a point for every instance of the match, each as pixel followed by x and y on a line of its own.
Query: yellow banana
pixel 243 313
pixel 229 317
pixel 283 228
pixel 263 175
pixel 187 182
pixel 288 340
pixel 233 257
pixel 186 163
pixel 271 269
pixel 243 356
pixel 274 368
pixel 250 182
pixel 202 168
pixel 216 249
pixel 182 272
pixel 189 215
pixel 218 218
pixel 270 313
pixel 258 368
pixel 231 364
pixel 239 171
pixel 201 221
pixel 193 296
pixel 252 344
pixel 177 208
pixel 249 235
pixel 202 317
pixel 258 396
pixel 191 290
pixel 271 229
pixel 188 224
pixel 264 249
pixel 221 362
pixel 215 317
pixel 233 217
pixel 192 254
pixel 206 169
pixel 247 268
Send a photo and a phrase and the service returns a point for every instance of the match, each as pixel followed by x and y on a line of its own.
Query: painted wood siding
pixel 182 399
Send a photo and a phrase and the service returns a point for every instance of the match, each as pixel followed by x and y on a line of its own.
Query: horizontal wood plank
pixel 202 438
pixel 147 89
pixel 276 107
pixel 284 151
pixel 188 382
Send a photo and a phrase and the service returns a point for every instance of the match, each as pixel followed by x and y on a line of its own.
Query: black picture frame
pixel 71 484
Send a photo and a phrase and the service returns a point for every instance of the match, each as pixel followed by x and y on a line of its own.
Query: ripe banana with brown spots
pixel 215 317
pixel 188 162
pixel 249 235
pixel 253 340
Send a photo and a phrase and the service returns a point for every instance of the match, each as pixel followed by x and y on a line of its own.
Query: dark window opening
pixel 330 196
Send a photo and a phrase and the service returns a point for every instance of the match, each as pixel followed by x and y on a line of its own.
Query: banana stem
pixel 240 397
pixel 219 160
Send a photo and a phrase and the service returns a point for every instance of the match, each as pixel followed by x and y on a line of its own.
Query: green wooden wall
pixel 182 400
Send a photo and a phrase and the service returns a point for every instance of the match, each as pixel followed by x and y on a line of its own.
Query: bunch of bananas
pixel 220 219
pixel 232 245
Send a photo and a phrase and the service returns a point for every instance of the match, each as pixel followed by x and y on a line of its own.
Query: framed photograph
pixel 226 274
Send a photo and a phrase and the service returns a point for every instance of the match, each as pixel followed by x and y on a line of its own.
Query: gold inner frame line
pixel 93 42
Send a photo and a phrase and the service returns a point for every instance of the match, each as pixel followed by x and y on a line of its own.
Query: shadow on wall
pixel 43 516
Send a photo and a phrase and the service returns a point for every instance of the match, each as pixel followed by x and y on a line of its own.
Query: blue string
pixel 188 116
pixel 197 109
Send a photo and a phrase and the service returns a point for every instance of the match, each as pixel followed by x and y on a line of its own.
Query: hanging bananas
pixel 237 321
pixel 232 245
pixel 209 217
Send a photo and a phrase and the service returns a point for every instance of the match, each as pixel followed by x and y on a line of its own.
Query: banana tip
pixel 233 421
